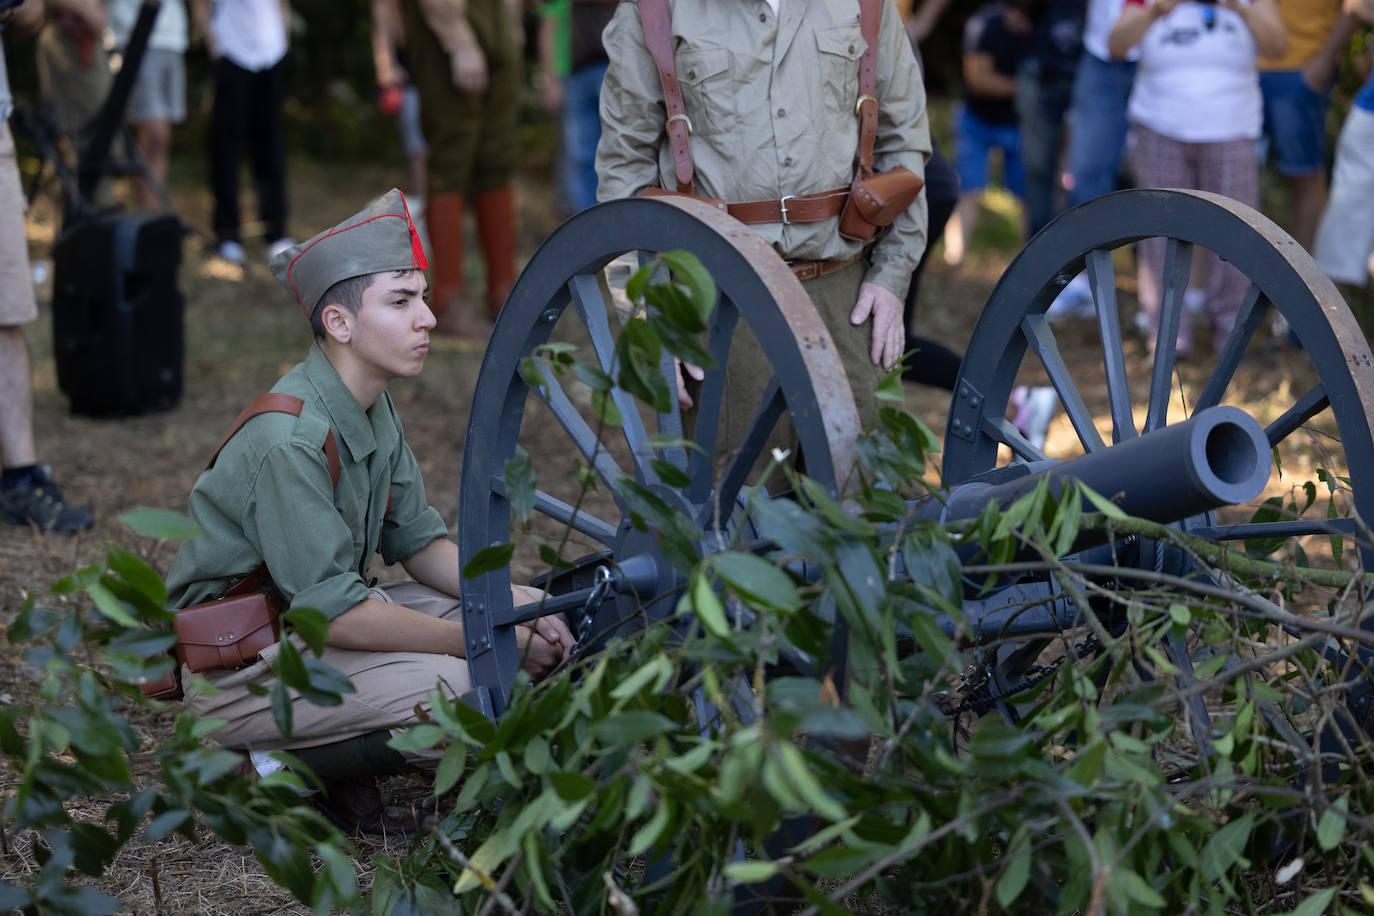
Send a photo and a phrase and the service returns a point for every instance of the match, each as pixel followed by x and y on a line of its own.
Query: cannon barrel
pixel 1218 457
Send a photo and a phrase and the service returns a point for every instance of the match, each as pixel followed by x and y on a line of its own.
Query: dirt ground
pixel 241 334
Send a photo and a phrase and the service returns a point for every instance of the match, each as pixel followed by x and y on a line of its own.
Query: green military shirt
pixel 771 98
pixel 269 498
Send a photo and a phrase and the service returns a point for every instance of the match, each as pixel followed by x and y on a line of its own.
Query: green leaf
pixel 1226 848
pixel 670 474
pixel 700 599
pixel 488 559
pixel 537 755
pixel 519 478
pixel 696 279
pixel 311 625
pixel 163 524
pixel 1314 905
pixel 111 607
pixel 629 728
pixel 750 872
pixel 645 837
pixel 166 822
pixel 593 377
pixel 656 671
pixel 417 738
pixel 890 388
pixel 572 786
pixel 1331 827
pixel 1100 502
pixel 451 767
pixel 1016 873
pixel 757 581
pixel 1137 888
pixel 807 785
pixel 134 570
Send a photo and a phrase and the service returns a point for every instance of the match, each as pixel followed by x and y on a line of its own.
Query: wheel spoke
pixel 1178 260
pixel 1004 432
pixel 1252 311
pixel 1102 280
pixel 710 399
pixel 592 449
pixel 553 507
pixel 1041 339
pixel 1306 407
pixel 771 408
pixel 591 299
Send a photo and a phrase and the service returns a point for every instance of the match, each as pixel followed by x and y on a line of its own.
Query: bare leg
pixel 155 144
pixel 16 400
pixel 1309 200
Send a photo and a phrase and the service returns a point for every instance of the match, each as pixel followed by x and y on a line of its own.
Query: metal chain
pixel 980 698
pixel 601 587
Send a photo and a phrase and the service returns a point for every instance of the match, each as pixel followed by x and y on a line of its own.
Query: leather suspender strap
pixel 867 106
pixel 273 402
pixel 658 38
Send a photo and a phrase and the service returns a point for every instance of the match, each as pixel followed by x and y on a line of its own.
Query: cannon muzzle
pixel 1218 457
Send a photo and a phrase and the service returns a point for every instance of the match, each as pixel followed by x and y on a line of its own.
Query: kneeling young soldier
pixel 281 494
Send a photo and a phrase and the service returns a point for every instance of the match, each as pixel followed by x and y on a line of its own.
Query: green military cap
pixel 381 237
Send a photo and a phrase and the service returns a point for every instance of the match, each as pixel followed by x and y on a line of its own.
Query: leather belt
pixel 810 270
pixel 800 208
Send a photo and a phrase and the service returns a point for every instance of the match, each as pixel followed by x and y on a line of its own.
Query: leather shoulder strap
pixel 272 402
pixel 657 21
pixel 867 106
pixel 275 402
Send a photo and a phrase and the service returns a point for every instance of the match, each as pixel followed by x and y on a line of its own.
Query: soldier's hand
pixel 684 400
pixel 544 644
pixel 469 67
pixel 889 334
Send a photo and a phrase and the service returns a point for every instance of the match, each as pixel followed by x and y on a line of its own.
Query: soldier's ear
pixel 337 322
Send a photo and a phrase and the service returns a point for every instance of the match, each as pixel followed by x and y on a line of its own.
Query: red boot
pixel 444 221
pixel 495 212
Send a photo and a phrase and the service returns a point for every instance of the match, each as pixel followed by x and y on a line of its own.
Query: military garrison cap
pixel 379 238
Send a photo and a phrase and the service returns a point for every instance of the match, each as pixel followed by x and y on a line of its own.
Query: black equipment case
pixel 117 314
pixel 117 310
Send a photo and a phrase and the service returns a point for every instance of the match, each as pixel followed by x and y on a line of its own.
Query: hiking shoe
pixel 34 499
pixel 356 807
pixel 277 246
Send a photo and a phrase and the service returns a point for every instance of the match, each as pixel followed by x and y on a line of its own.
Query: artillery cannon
pixel 1175 474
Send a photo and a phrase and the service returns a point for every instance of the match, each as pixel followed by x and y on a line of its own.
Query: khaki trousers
pixel 389 685
pixel 748 372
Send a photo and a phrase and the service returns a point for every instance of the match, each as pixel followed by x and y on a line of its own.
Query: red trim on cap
pixel 417 251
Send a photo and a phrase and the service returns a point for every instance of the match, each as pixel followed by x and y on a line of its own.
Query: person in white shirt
pixel 1196 114
pixel 247 41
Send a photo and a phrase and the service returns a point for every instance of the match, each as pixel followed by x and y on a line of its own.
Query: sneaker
pixel 1034 410
pixel 231 251
pixel 34 499
pixel 276 247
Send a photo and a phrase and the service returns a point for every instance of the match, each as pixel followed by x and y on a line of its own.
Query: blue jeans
pixel 974 138
pixel 1097 125
pixel 581 133
pixel 1041 102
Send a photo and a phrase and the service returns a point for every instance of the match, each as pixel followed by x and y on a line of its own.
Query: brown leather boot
pixel 444 221
pixel 356 807
pixel 495 212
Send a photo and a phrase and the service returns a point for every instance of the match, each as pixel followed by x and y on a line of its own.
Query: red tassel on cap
pixel 417 251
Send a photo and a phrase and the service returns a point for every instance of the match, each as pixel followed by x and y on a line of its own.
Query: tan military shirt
pixel 771 98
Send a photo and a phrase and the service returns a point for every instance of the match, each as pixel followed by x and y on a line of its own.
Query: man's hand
pixel 468 65
pixel 546 642
pixel 684 400
pixel 889 336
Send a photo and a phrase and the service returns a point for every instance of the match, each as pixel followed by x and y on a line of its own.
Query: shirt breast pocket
pixel 707 95
pixel 840 49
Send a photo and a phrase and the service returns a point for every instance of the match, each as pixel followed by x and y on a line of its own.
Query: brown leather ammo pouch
pixel 228 633
pixel 874 202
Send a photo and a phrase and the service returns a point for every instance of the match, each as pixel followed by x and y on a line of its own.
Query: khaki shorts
pixel 17 304
pixel 388 687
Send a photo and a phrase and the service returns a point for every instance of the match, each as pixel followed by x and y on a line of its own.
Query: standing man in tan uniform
pixel 770 88
pixel 465 62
